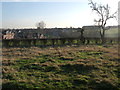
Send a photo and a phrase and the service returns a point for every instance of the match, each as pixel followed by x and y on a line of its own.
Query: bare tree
pixel 41 25
pixel 103 12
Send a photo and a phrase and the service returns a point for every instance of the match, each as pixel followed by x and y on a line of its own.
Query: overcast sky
pixel 55 13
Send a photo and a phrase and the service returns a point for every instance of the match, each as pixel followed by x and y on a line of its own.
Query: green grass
pixel 83 68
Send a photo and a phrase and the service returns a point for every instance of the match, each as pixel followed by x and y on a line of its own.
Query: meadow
pixel 83 67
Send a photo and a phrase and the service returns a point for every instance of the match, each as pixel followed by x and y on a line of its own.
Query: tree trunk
pixel 82 37
pixel 103 36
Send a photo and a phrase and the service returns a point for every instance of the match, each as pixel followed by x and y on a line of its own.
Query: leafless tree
pixel 41 25
pixel 103 12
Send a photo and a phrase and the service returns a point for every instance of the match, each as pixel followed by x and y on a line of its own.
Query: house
pixel 8 35
pixel 91 31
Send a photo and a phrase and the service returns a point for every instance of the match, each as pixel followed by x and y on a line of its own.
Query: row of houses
pixel 87 31
pixel 41 33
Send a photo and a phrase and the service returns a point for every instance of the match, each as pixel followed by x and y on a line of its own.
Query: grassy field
pixel 85 67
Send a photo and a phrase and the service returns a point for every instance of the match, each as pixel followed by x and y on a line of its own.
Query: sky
pixel 55 13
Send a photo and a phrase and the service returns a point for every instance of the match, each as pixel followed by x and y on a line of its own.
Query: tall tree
pixel 103 12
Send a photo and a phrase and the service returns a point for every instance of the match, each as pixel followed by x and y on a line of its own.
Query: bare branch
pixel 103 12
